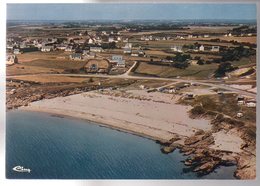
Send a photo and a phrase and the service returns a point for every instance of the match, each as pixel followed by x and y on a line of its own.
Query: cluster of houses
pixel 241 100
pixel 200 48
pixel 250 103
pixel 128 49
pixel 177 37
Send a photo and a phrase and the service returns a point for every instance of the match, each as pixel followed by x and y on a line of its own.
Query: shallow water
pixel 66 148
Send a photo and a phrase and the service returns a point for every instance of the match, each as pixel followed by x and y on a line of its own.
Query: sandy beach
pixel 155 115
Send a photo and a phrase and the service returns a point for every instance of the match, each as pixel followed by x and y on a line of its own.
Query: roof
pixel 117 57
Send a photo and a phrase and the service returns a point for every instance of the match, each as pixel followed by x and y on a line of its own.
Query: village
pixel 211 69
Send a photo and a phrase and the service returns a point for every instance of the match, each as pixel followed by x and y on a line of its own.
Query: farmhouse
pixel 97 66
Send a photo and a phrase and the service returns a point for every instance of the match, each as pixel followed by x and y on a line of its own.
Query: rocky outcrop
pixel 246 166
pixel 169 149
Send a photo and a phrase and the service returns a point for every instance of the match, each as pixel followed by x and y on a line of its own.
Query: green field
pixel 196 71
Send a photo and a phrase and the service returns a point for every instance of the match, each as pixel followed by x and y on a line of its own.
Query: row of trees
pixel 234 54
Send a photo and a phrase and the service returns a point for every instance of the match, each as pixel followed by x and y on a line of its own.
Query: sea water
pixel 55 147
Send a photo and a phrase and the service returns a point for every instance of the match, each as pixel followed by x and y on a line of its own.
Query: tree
pixel 200 62
pixel 197 57
pixel 223 68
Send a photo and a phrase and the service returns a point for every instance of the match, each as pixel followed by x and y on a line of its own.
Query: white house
pixel 251 104
pixel 111 39
pixel 240 114
pixel 128 48
pixel 118 59
pixel 176 48
pixel 201 48
pixel 90 41
pixel 215 49
pixel 61 47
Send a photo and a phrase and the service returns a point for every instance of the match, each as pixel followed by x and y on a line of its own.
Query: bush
pixel 223 68
pixel 200 62
pixel 197 110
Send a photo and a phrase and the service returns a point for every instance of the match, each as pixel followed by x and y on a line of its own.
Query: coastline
pixel 94 122
pixel 120 110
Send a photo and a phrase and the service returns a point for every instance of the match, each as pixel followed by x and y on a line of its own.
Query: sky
pixel 130 11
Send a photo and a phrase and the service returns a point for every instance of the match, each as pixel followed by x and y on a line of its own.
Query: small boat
pixel 21 169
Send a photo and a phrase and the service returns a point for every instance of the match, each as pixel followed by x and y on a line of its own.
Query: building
pixel 118 59
pixel 76 56
pixel 201 48
pixel 251 104
pixel 17 51
pixel 111 39
pixel 240 114
pixel 176 48
pixel 95 49
pixel 128 48
pixel 61 47
pixel 47 48
pixel 215 49
pixel 90 41
pixel 97 66
pixel 11 59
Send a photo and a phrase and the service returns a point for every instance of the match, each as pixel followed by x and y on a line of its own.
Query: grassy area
pixel 250 61
pixel 53 79
pixel 66 64
pixel 225 104
pixel 196 71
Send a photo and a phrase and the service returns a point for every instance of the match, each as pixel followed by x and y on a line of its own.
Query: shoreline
pixel 159 141
pixel 92 122
pixel 209 148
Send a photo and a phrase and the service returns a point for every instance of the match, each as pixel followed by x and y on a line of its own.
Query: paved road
pixel 216 84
